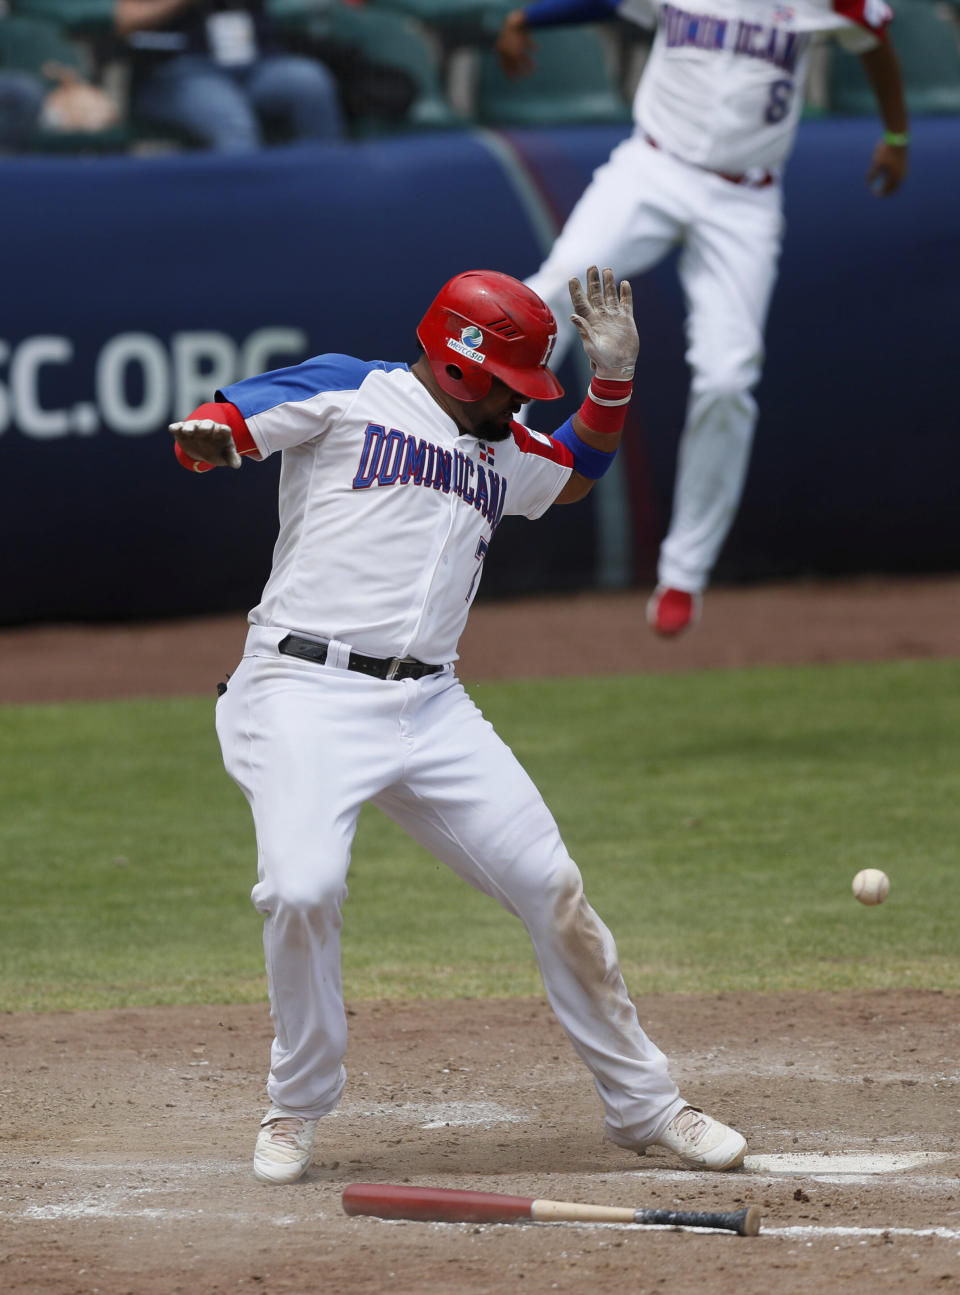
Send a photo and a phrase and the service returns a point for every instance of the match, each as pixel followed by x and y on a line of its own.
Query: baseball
pixel 871 886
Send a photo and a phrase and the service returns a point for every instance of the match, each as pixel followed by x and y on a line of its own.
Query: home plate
pixel 849 1162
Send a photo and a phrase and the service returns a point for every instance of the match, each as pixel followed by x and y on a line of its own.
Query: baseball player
pixel 715 116
pixel 393 481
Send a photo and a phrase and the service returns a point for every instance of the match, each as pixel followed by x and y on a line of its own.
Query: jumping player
pixel 392 483
pixel 715 117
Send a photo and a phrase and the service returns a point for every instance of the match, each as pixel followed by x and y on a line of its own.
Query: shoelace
pixel 687 1123
pixel 287 1131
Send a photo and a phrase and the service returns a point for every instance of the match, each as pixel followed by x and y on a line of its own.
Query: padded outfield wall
pixel 131 287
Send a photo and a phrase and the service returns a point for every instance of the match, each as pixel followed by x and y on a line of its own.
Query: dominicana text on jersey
pixel 394 458
pixel 777 45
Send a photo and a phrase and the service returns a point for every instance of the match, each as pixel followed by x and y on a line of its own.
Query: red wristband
pixel 230 416
pixel 604 410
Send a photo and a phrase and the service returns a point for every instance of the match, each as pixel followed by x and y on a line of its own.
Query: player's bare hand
pixel 208 441
pixel 515 45
pixel 604 319
pixel 888 168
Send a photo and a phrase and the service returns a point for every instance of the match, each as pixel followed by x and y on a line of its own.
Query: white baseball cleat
pixel 703 1142
pixel 284 1147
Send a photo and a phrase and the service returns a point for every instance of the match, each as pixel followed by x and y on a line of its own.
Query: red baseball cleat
pixel 671 611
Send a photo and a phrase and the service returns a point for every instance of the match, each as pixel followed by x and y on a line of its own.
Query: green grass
pixel 718 818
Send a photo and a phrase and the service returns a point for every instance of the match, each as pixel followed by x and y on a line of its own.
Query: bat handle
pixel 746 1222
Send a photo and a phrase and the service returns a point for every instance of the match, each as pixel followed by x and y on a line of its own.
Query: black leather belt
pixel 379 667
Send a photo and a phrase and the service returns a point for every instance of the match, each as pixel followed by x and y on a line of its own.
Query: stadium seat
pixel 926 45
pixel 394 41
pixel 298 12
pixel 87 17
pixel 572 84
pixel 27 45
pixel 454 22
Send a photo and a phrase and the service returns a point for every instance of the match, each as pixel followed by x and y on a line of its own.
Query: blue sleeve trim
pixel 551 13
pixel 587 461
pixel 299 382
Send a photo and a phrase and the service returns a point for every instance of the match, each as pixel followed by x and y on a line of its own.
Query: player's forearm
pixel 137 15
pixel 882 68
pixel 605 446
pixel 593 435
pixel 554 13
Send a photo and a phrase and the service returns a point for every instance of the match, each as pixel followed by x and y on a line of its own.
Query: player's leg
pixel 727 268
pixel 307 745
pixel 193 95
pixel 627 218
pixel 466 798
pixel 300 92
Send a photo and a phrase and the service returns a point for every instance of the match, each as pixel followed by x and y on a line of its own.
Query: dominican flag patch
pixel 486 454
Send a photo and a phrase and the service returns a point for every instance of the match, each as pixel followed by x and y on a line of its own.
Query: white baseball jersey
pixel 386 509
pixel 723 85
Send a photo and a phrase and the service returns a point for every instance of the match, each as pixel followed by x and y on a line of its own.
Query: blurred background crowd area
pixel 68 74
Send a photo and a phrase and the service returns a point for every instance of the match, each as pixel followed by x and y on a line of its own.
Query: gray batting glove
pixel 208 441
pixel 606 325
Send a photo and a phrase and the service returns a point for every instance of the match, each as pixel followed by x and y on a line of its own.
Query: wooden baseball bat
pixel 446 1205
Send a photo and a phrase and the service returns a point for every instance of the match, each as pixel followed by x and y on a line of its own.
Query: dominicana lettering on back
pixel 397 459
pixel 774 44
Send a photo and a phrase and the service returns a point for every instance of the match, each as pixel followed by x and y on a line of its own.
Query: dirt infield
pixel 867 620
pixel 125 1137
pixel 127 1141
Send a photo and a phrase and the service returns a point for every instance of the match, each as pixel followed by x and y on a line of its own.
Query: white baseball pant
pixel 308 745
pixel 639 205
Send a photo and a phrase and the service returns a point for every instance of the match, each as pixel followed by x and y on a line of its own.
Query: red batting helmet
pixel 484 325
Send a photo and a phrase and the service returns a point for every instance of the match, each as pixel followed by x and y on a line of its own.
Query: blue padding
pixel 299 382
pixel 341 248
pixel 586 460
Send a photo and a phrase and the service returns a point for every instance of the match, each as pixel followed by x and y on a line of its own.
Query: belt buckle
pixel 394 666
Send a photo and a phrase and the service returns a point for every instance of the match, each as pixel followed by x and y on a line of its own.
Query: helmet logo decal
pixel 551 343
pixel 470 338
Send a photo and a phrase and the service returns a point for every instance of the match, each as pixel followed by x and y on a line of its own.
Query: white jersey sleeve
pixel 539 469
pixel 292 406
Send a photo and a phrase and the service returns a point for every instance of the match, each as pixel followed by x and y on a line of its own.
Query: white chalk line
pixel 842 1163
pixel 814 1071
pixel 797 1233
pixel 440 1115
pixel 111 1210
pixel 106 1208
pixel 813 1230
